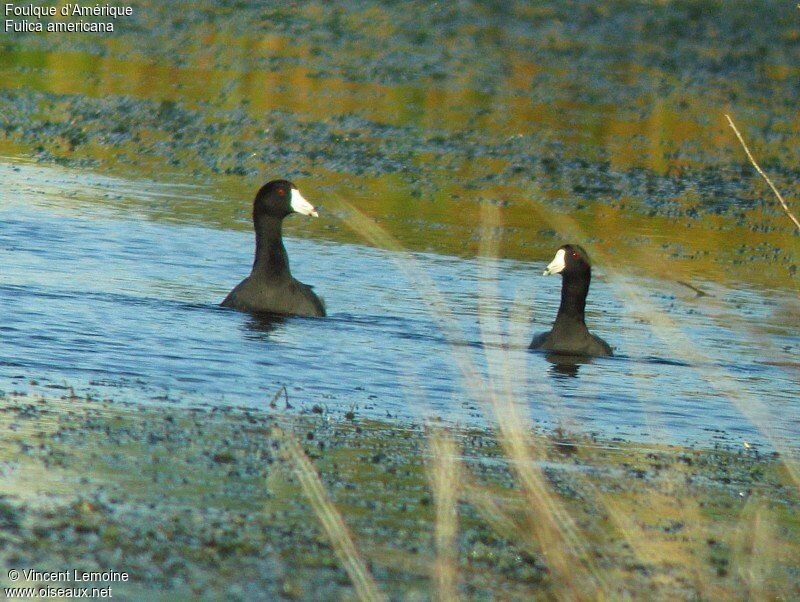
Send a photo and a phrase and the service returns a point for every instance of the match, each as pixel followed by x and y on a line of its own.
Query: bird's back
pixel 571 339
pixel 289 297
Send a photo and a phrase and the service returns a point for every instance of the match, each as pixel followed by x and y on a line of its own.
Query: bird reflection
pixel 566 366
pixel 260 326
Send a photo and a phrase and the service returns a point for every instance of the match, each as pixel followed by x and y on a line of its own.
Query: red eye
pixel 281 192
pixel 575 254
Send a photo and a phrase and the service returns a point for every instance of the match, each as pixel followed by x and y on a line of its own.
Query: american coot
pixel 270 287
pixel 569 335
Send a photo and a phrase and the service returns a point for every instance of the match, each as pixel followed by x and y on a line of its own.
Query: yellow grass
pixel 445 478
pixel 331 520
pixel 548 530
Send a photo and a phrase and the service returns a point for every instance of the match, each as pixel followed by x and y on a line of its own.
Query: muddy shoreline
pixel 203 502
pixel 609 114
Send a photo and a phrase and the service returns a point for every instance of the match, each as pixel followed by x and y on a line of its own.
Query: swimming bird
pixel 270 287
pixel 569 335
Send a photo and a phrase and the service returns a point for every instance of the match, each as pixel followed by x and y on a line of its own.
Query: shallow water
pixel 466 131
pixel 118 305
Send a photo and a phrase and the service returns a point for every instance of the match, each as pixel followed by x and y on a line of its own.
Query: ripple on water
pixel 127 307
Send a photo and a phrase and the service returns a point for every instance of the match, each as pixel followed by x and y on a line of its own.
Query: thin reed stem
pixel 332 522
pixel 761 171
pixel 445 478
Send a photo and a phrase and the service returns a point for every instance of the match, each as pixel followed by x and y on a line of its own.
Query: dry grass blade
pixel 439 307
pixel 559 540
pixel 678 341
pixel 754 551
pixel 763 175
pixel 558 537
pixel 445 478
pixel 331 520
pixel 273 403
pixel 498 519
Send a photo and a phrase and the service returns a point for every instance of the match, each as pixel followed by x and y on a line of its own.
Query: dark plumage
pixel 270 287
pixel 569 335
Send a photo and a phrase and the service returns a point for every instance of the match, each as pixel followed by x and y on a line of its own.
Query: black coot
pixel 270 287
pixel 569 335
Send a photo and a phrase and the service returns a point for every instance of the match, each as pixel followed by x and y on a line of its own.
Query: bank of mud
pixel 611 115
pixel 206 502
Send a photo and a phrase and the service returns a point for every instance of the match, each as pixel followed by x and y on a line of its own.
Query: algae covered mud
pixel 451 148
pixel 211 504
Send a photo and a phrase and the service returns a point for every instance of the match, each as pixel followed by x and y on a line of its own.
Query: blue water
pixel 116 304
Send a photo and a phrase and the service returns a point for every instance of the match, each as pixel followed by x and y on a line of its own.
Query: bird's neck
pixel 574 288
pixel 271 257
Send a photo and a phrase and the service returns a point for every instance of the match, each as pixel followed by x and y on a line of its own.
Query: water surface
pixel 118 305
